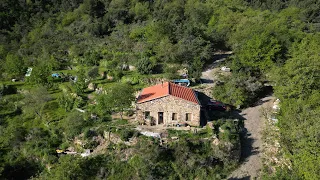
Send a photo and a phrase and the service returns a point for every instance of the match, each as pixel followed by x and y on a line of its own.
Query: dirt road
pixel 252 143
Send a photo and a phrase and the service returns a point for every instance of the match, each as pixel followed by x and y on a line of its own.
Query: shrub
pixel 93 72
pixel 91 145
pixel 125 134
pixel 144 66
pixel 171 72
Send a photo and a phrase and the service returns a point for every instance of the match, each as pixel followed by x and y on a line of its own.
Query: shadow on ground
pixel 206 81
pixel 244 178
pixel 246 145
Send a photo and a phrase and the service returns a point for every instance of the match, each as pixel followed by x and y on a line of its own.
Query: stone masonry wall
pixel 169 105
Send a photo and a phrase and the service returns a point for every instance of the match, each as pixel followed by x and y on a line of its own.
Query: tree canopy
pixel 273 42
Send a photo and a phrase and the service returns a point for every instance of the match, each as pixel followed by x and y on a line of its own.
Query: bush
pixel 144 66
pixel 125 134
pixel 91 145
pixel 93 72
pixel 171 72
pixel 7 89
pixel 64 145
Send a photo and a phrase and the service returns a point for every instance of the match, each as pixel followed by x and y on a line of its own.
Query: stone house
pixel 168 104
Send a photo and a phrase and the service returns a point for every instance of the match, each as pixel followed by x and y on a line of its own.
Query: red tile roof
pixel 165 89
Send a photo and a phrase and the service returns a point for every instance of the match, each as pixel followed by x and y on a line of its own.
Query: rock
pixel 91 86
pixel 210 124
pixel 94 116
pixel 109 77
pixel 216 142
pixel 132 68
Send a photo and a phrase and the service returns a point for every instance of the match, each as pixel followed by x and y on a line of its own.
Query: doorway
pixel 160 117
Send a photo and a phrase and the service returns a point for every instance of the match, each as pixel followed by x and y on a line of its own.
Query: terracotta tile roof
pixel 165 89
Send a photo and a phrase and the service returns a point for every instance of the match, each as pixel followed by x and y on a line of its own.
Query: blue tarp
pixel 56 75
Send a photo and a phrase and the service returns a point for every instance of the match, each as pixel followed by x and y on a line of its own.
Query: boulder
pixel 92 86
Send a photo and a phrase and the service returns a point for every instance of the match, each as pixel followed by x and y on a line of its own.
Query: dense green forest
pixel 273 41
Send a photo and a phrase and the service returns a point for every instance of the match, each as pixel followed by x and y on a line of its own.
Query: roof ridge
pixel 158 91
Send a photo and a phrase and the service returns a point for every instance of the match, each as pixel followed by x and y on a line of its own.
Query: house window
pixel 188 116
pixel 160 117
pixel 146 114
pixel 174 116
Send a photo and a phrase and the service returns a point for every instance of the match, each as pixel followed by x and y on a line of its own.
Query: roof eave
pixel 153 99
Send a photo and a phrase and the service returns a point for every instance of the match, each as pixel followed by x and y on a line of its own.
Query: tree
pixel 14 65
pixel 299 77
pixel 171 72
pixel 35 100
pixel 238 89
pixel 80 83
pixel 258 53
pixel 74 124
pixel 118 98
pixel 144 66
pixel 41 74
pixel 195 70
pixel 66 101
pixel 297 86
pixel 92 58
pixel 93 72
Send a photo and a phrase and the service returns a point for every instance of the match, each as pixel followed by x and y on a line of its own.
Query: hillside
pixel 88 59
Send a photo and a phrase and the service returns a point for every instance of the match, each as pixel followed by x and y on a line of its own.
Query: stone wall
pixel 169 105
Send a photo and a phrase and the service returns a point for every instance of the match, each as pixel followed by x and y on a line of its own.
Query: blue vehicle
pixel 182 82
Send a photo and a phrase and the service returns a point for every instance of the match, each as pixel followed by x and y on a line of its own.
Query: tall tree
pixel 35 100
pixel 118 98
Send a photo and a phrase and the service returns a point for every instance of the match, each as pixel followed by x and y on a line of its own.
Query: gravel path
pixel 252 143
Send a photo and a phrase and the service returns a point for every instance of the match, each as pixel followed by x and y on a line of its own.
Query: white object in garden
pixel 151 134
pixel 225 69
pixel 29 70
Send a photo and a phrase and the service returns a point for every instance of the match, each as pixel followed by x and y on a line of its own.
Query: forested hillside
pixel 273 42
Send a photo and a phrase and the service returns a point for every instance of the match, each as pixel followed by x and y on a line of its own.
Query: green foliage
pixel 301 72
pixel 41 74
pixel 209 130
pixel 80 84
pixel 230 132
pixel 74 124
pixel 126 134
pixel 297 85
pixel 35 101
pixel 92 58
pixel 238 90
pixel 259 53
pixel 275 41
pixel 118 98
pixel 14 66
pixel 195 70
pixel 144 66
pixel 171 72
pixel 93 72
pixel 66 102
